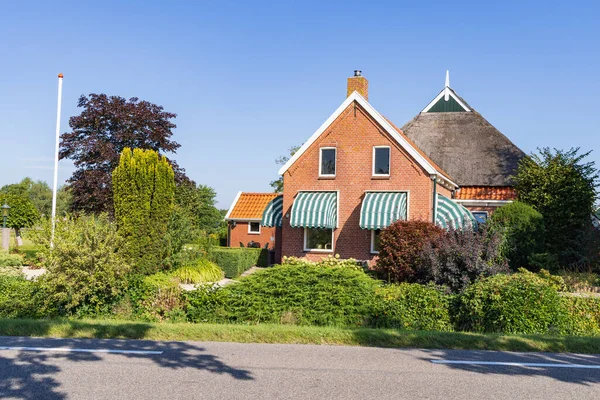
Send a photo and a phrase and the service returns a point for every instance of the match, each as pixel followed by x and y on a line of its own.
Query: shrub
pixel 143 190
pixel 522 229
pixel 86 270
pixel 202 271
pixel 584 315
pixel 329 261
pixel 458 257
pixel 22 213
pixel 519 303
pixel 206 304
pixel 10 260
pixel 411 306
pixel 235 261
pixel 20 298
pixel 155 297
pixel 303 295
pixel 400 248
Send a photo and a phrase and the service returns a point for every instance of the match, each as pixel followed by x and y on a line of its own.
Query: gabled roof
pixel 463 143
pixel 249 206
pixel 506 193
pixel 417 154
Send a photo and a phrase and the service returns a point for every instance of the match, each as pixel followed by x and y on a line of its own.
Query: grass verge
pixel 114 329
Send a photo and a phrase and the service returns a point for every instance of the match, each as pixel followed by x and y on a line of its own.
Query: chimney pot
pixel 359 84
pixel 357 72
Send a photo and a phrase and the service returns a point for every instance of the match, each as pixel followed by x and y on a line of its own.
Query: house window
pixel 327 161
pixel 480 216
pixel 254 227
pixel 375 241
pixel 381 161
pixel 316 239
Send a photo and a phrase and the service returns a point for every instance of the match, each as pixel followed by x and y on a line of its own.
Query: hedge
pixel 235 261
pixel 584 315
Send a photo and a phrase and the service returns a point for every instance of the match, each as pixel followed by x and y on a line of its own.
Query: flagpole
pixel 54 189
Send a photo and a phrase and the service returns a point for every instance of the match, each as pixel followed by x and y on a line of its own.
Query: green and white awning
pixel 452 215
pixel 273 213
pixel 314 210
pixel 380 209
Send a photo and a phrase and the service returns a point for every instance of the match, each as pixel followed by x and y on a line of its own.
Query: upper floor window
pixel 381 161
pixel 327 161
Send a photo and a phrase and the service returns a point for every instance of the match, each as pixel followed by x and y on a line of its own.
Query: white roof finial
pixel 447 87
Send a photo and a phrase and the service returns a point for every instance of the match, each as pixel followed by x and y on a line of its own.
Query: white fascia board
pixel 482 203
pixel 237 197
pixel 445 182
pixel 355 96
pixel 442 94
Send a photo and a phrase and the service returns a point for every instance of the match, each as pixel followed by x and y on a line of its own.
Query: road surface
pixel 113 369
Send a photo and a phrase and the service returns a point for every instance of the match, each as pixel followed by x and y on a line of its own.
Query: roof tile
pixel 251 205
pixel 486 193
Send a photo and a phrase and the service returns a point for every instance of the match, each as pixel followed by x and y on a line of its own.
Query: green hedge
pixel 235 261
pixel 584 315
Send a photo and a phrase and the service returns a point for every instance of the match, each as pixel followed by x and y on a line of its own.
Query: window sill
pixel 317 251
pixel 325 177
pixel 378 177
pixel 253 233
pixel 374 253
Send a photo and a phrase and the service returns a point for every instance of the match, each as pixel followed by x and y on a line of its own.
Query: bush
pixel 329 261
pixel 202 271
pixel 522 229
pixel 411 306
pixel 302 295
pixel 206 304
pixel 10 260
pixel 519 303
pixel 155 297
pixel 400 248
pixel 458 257
pixel 144 192
pixel 584 315
pixel 86 270
pixel 235 261
pixel 16 296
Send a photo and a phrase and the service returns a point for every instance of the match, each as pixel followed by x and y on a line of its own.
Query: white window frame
pixel 321 162
pixel 389 160
pixel 373 251
pixel 318 250
pixel 250 231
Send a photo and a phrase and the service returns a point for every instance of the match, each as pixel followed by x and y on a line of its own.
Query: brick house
pixel 244 221
pixel 447 127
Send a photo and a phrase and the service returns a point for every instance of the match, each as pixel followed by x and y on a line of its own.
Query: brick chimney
pixel 358 83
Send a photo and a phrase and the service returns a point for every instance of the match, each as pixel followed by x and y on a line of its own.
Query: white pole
pixel 55 187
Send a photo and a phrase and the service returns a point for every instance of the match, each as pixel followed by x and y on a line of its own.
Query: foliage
pixel 40 195
pixel 202 271
pixel 235 261
pixel 106 126
pixel 143 185
pixel 292 294
pixel 180 231
pixel 562 187
pixel 400 248
pixel 522 229
pixel 155 297
pixel 206 303
pixel 22 212
pixel 584 315
pixel 411 306
pixel 518 303
pixel 329 261
pixel 10 260
pixel 458 257
pixel 198 203
pixel 277 184
pixel 18 298
pixel 85 268
pixel 580 281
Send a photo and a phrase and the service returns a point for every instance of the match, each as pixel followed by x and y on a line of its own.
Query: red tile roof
pixel 251 205
pixel 486 193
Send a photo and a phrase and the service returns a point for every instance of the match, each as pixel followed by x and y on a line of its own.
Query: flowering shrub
pixel 329 261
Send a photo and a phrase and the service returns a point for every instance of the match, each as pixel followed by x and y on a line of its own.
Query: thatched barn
pixel 479 158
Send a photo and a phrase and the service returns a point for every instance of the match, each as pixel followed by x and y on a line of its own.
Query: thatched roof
pixel 465 145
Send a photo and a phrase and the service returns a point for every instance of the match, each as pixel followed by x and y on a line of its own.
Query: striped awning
pixel 273 213
pixel 452 215
pixel 380 209
pixel 314 210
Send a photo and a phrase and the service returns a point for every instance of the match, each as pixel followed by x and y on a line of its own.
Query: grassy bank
pixel 62 328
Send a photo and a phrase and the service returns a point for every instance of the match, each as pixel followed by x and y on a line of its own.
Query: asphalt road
pixel 188 370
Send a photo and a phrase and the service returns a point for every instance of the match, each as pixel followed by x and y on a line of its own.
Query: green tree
pixel 199 204
pixel 22 213
pixel 144 191
pixel 522 229
pixel 277 184
pixel 40 195
pixel 562 187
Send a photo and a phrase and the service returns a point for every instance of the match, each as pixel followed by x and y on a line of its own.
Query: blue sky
pixel 250 79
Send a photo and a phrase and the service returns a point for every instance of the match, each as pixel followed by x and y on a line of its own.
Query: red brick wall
pixel 354 134
pixel 239 233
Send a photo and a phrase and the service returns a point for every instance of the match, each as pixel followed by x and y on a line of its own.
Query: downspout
pixel 433 208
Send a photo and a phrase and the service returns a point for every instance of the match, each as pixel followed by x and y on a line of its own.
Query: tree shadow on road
pixel 33 374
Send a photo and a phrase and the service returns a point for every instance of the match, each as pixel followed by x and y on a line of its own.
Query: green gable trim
pixel 447 106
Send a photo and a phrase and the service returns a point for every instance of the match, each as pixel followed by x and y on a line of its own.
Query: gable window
pixel 327 161
pixel 381 161
pixel 254 227
pixel 317 239
pixel 375 241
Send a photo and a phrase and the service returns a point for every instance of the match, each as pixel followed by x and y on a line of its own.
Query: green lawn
pixel 62 328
